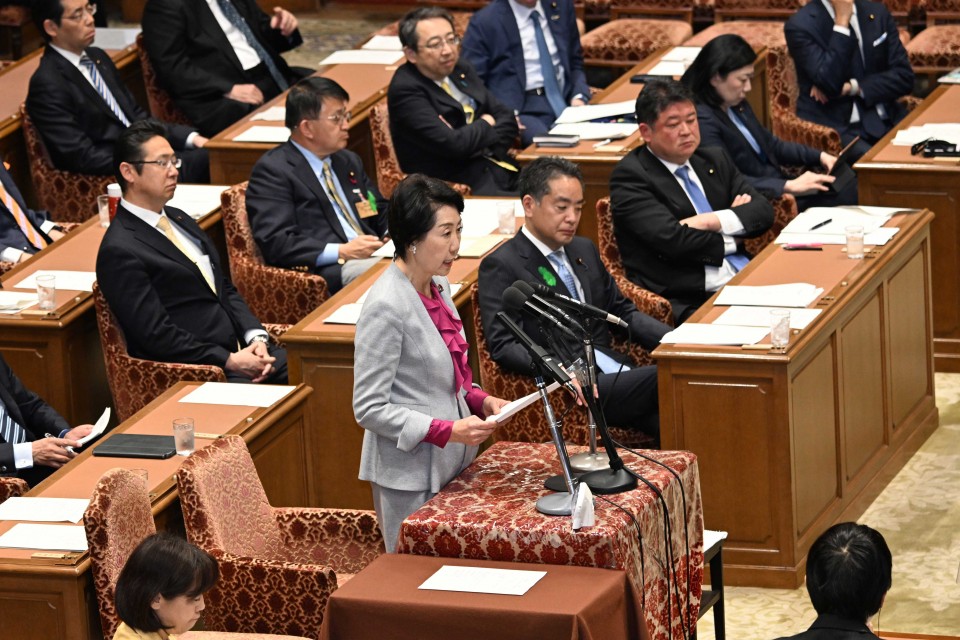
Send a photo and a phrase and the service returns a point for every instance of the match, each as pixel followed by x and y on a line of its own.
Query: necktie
pixel 550 84
pixel 742 126
pixel 345 211
pixel 468 110
pixel 736 260
pixel 556 259
pixel 231 13
pixel 11 431
pixel 103 89
pixel 33 236
pixel 164 225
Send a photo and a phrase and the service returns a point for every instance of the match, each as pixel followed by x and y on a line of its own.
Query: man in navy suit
pixel 310 203
pixel 528 54
pixel 851 68
pixel 23 231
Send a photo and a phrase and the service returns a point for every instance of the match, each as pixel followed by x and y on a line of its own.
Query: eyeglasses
pixel 163 163
pixel 90 9
pixel 436 45
pixel 340 117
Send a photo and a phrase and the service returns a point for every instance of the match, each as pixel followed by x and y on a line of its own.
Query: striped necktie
pixel 33 236
pixel 231 14
pixel 345 211
pixel 556 259
pixel 10 430
pixel 103 89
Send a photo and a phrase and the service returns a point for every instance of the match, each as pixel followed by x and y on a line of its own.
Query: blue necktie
pixel 556 259
pixel 231 13
pixel 550 84
pixel 103 89
pixel 11 432
pixel 742 126
pixel 736 260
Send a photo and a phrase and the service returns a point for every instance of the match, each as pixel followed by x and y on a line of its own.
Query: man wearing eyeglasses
pixel 79 104
pixel 310 204
pixel 443 120
pixel 162 277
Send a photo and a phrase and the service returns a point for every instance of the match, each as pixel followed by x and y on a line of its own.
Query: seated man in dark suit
pixel 23 231
pixel 443 121
pixel 162 277
pixel 33 436
pixel 220 59
pixel 548 250
pixel 310 203
pixel 505 42
pixel 849 571
pixel 851 68
pixel 679 211
pixel 79 104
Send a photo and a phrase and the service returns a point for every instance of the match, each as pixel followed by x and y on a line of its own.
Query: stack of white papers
pixel 508 582
pixel 837 220
pixel 49 537
pixel 715 334
pixel 794 295
pixel 250 395
pixel 383 43
pixel 44 509
pixel 197 200
pixel 14 301
pixel 675 62
pixel 259 133
pixel 595 130
pixel 877 238
pixel 589 112
pixel 64 280
pixel 760 317
pixel 274 114
pixel 363 56
pixel 947 131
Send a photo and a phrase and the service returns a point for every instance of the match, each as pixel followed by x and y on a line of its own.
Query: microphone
pixel 583 307
pixel 546 363
pixel 553 309
pixel 515 300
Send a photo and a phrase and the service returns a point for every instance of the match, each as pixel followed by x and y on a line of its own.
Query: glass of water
pixel 779 328
pixel 183 436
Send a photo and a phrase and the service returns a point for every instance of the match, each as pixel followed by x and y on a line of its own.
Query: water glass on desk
pixel 183 436
pixel 779 328
pixel 506 218
pixel 103 210
pixel 854 242
pixel 47 292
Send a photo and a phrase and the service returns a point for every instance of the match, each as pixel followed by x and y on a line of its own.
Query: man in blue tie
pixel 680 212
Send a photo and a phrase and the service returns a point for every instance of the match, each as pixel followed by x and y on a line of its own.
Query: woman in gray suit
pixel 413 390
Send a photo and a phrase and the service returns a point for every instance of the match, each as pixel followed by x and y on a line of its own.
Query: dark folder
pixel 134 445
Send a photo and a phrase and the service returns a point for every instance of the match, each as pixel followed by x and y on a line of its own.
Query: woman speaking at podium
pixel 413 389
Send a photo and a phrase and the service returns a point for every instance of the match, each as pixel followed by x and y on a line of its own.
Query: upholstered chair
pixel 160 103
pixel 626 41
pixel 936 49
pixel 784 210
pixel 12 488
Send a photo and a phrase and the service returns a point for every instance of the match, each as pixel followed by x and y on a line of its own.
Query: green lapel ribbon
pixel 547 276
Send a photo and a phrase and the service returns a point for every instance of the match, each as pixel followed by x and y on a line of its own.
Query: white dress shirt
pixel 531 52
pixel 248 57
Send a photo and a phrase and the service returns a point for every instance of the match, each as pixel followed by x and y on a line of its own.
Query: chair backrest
pixel 160 103
pixel 782 79
pixel 389 173
pixel 12 488
pixel 224 505
pixel 461 19
pixel 68 196
pixel 607 241
pixel 756 9
pixel 118 518
pixel 236 224
pixel 784 210
pixel 941 10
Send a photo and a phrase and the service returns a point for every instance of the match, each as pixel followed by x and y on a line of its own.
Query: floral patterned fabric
pixel 488 513
pixel 760 34
pixel 461 19
pixel 12 488
pixel 13 18
pixel 160 103
pixel 287 559
pixel 784 210
pixel 936 49
pixel 624 43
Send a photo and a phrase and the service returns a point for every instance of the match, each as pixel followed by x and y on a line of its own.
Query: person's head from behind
pixel 722 73
pixel 317 115
pixel 66 23
pixel 145 165
pixel 849 571
pixel 424 222
pixel 667 119
pixel 551 190
pixel 162 584
pixel 430 41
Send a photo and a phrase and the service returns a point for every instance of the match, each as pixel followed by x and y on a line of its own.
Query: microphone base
pixel 608 481
pixel 556 504
pixel 556 483
pixel 585 462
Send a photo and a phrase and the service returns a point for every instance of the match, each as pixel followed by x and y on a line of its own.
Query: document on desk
pixel 595 130
pixel 363 56
pixel 478 247
pixel 48 537
pixel 794 295
pixel 198 200
pixel 506 582
pixel 345 314
pixel 107 38
pixel 946 131
pixel 480 214
pixel 65 280
pixel 876 238
pixel 243 395
pixel 261 133
pixel 14 301
pixel 44 509
pixel 760 316
pixel 383 43
pixel 588 112
pixel 511 408
pixel 273 114
pixel 715 334
pixel 835 220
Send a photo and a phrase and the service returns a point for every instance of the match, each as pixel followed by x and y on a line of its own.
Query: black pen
pixel 821 224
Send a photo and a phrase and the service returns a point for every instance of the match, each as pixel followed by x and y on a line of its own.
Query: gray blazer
pixel 403 379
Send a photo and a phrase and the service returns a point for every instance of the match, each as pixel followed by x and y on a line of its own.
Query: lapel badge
pixel 710 171
pixel 871 16
pixel 353 178
pixel 548 277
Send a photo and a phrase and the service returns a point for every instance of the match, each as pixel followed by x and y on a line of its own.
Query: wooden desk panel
pixel 890 176
pixel 791 443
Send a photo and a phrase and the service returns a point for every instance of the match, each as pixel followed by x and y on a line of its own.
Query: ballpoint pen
pixel 821 224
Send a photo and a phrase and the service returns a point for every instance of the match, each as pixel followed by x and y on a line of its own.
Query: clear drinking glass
pixel 779 328
pixel 183 436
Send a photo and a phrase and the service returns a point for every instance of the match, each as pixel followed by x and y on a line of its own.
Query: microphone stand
pixel 556 504
pixel 591 460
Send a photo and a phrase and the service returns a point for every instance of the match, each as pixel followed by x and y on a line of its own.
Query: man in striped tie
pixel 33 436
pixel 23 231
pixel 80 105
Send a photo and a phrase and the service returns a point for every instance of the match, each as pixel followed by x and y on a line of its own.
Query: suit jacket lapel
pixel 351 188
pixel 750 122
pixel 304 172
pixel 538 266
pixel 514 45
pixel 667 183
pixel 71 74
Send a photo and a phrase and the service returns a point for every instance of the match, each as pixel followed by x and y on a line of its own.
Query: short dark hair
pixel 849 571
pixel 535 177
pixel 721 56
pixel 408 24
pixel 165 565
pixel 413 209
pixel 129 146
pixel 43 10
pixel 656 96
pixel 305 100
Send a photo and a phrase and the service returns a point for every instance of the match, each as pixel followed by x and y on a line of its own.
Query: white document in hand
pixel 520 403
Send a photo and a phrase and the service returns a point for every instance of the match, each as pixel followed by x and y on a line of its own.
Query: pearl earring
pixel 413 248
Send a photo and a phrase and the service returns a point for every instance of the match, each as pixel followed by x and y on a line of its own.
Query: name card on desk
pixel 507 582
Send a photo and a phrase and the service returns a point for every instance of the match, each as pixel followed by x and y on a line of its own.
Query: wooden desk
pixel 791 443
pixel 58 355
pixel 890 176
pixel 42 599
pixel 231 162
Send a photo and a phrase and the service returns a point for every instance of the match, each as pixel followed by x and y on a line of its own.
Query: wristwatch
pixel 260 338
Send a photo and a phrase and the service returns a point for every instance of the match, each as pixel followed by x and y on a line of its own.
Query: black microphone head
pixel 513 298
pixel 537 287
pixel 523 288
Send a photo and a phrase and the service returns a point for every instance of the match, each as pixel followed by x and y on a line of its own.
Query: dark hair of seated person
pixel 164 565
pixel 719 57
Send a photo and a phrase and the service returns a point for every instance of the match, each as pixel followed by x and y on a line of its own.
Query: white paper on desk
pixel 197 200
pixel 587 112
pixel 595 130
pixel 715 334
pixel 760 316
pixel 48 537
pixel 277 113
pixel 877 238
pixel 682 54
pixel 260 133
pixel 115 38
pixel 243 395
pixel 948 131
pixel 44 509
pixel 383 43
pixel 480 214
pixel 951 78
pixel 65 280
pixel 14 301
pixel 363 56
pixel 796 294
pixel 520 403
pixel 478 247
pixel 668 68
pixel 345 314
pixel 506 582
pixel 839 219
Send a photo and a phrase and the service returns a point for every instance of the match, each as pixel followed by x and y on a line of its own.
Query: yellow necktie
pixel 33 236
pixel 344 209
pixel 471 113
pixel 164 225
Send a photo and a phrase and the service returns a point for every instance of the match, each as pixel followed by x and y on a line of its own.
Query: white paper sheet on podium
pixel 48 537
pixel 363 56
pixel 345 314
pixel 760 316
pixel 44 509
pixel 197 200
pixel 65 280
pixel 520 403
pixel 14 301
pixel 261 133
pixel 715 334
pixel 383 43
pixel 276 113
pixel 507 582
pixel 837 219
pixel 595 130
pixel 588 112
pixel 877 238
pixel 796 294
pixel 243 395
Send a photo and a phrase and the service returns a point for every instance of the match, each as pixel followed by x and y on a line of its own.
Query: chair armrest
pixel 788 126
pixel 462 189
pixel 647 301
pixel 910 102
pixel 276 295
pixel 346 540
